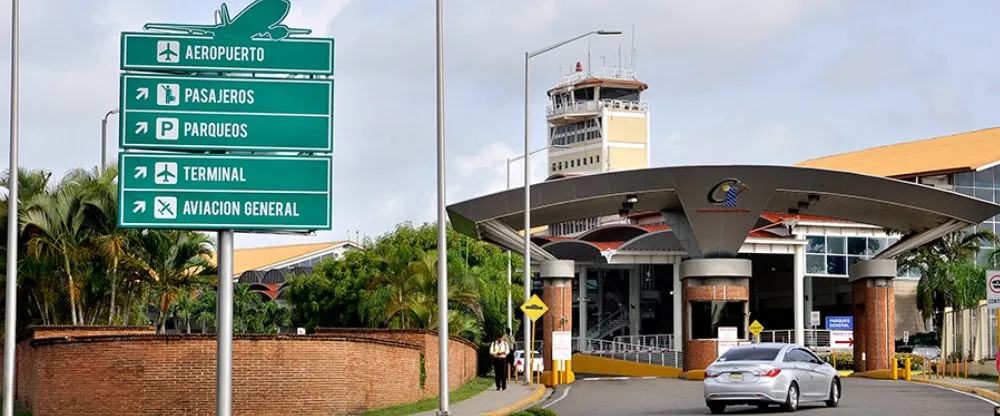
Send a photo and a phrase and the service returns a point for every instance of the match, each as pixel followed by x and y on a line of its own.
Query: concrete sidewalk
pixel 982 388
pixel 491 401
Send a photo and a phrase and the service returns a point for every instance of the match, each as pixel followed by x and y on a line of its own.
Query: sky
pixel 761 82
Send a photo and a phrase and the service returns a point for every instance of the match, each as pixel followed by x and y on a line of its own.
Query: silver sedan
pixel 766 374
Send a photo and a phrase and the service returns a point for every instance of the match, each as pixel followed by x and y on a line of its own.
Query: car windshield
pixel 750 354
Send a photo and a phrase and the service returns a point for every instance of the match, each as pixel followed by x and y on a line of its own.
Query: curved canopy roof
pixel 713 222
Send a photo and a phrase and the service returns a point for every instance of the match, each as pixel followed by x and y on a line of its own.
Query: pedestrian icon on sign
pixel 166 94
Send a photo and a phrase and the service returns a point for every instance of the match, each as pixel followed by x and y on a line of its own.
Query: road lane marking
pixel 565 392
pixel 967 394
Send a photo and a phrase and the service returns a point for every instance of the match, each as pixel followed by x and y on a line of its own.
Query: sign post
pixel 993 302
pixel 534 308
pixel 178 109
pixel 562 351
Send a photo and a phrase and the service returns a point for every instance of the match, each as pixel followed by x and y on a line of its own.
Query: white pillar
pixel 582 293
pixel 798 277
pixel 634 299
pixel 678 305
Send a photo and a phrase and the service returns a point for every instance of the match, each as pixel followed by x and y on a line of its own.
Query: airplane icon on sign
pixel 167 51
pixel 260 20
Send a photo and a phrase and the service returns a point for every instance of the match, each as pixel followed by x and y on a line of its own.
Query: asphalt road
pixel 679 397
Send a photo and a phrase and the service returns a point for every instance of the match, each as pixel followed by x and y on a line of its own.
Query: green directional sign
pixel 226 113
pixel 188 53
pixel 224 191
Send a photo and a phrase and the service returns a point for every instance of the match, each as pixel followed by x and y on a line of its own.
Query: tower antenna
pixel 632 60
pixel 588 54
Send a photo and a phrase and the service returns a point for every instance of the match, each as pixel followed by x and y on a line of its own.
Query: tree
pixel 177 261
pixel 936 289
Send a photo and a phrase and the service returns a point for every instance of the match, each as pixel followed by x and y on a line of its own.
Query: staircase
pixel 616 321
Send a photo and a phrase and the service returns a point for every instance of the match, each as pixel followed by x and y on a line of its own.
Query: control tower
pixel 597 122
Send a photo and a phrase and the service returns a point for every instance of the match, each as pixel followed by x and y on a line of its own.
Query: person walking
pixel 499 350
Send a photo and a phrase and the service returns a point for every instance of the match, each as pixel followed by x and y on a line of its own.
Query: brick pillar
pixel 557 293
pixel 874 314
pixel 703 280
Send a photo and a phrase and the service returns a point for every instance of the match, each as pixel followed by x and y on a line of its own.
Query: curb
pixel 520 404
pixel 992 395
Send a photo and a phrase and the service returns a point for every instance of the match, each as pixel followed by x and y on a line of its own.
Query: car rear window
pixel 750 354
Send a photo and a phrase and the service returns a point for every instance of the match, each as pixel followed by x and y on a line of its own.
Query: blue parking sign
pixel 840 323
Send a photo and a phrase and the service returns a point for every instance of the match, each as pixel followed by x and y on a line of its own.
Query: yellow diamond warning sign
pixel 756 327
pixel 534 307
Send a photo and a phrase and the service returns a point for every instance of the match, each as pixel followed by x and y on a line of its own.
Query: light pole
pixel 510 302
pixel 527 179
pixel 10 301
pixel 442 260
pixel 104 138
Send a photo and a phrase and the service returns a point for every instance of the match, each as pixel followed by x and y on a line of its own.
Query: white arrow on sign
pixel 142 93
pixel 141 127
pixel 140 206
pixel 140 172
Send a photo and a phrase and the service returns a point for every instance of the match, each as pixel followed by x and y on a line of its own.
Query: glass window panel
pixel 853 259
pixel 707 317
pixel 996 195
pixel 816 244
pixel 876 245
pixel 984 194
pixel 965 190
pixel 984 179
pixel 836 265
pixel 815 264
pixel 836 245
pixel 996 175
pixel 857 245
pixel 963 179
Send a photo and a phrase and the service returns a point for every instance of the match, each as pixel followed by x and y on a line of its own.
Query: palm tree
pixel 56 225
pixel 936 288
pixel 177 261
pixel 420 295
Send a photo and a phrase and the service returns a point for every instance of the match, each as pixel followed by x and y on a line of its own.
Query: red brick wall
pixel 175 374
pixel 462 358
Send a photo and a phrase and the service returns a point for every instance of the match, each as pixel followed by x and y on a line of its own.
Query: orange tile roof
pixel 955 153
pixel 261 257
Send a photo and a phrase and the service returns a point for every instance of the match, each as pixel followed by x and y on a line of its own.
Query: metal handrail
pixel 652 340
pixel 595 106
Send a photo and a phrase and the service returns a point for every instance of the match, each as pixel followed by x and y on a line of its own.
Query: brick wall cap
pixel 212 337
pixel 29 331
pixel 321 330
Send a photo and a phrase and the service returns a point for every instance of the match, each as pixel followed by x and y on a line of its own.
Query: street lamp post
pixel 442 258
pixel 527 178
pixel 10 294
pixel 510 302
pixel 104 138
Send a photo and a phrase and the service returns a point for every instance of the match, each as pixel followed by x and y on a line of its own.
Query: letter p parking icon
pixel 166 128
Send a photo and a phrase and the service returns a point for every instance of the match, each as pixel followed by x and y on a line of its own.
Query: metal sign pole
pixel 442 236
pixel 10 304
pixel 224 318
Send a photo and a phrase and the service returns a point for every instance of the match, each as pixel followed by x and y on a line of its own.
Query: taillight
pixel 771 373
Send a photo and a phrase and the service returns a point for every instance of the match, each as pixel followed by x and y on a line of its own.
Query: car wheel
pixel 834 399
pixel 716 408
pixel 791 403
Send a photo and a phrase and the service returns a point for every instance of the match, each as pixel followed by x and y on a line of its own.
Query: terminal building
pixel 666 256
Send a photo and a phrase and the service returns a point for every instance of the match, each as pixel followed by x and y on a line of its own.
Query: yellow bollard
pixel 907 369
pixel 966 369
pixel 894 374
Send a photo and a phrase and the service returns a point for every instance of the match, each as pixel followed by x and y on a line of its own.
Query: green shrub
pixel 845 360
pixel 538 411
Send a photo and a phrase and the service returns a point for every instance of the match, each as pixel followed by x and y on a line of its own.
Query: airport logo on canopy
pixel 725 193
